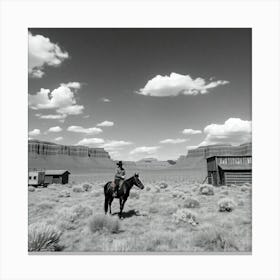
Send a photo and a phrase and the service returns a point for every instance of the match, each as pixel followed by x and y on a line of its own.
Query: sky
pixel 140 93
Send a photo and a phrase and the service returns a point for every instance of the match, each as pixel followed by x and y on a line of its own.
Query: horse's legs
pixel 121 206
pixel 106 205
pixel 110 203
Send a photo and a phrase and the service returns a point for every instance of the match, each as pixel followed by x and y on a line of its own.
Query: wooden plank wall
pixel 237 177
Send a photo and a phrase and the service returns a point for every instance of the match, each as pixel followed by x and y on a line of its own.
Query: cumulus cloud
pixel 42 52
pixel 34 132
pixel 55 129
pixel 177 84
pixel 144 150
pixel 62 100
pixel 104 99
pixel 114 145
pixel 234 131
pixel 90 142
pixel 71 110
pixel 173 141
pixel 108 145
pixel 80 129
pixel 115 154
pixel 58 138
pixel 74 85
pixel 52 117
pixel 106 123
pixel 189 131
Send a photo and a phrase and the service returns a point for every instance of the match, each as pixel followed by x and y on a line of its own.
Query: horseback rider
pixel 119 177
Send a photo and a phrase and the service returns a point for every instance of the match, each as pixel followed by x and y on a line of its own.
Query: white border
pixel 17 16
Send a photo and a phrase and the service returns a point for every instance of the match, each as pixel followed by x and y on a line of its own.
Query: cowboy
pixel 119 178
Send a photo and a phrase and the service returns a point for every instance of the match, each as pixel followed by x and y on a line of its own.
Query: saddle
pixel 113 184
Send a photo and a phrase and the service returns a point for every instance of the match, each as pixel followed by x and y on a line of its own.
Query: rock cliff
pixel 49 155
pixel 196 158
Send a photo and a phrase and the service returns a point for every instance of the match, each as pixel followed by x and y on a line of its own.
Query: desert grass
pixel 102 222
pixel 42 237
pixel 172 214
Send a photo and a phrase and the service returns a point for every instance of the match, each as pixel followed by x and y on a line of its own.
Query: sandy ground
pixel 172 214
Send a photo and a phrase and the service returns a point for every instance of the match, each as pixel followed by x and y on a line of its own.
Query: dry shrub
pixel 103 222
pixel 156 189
pixel 191 203
pixel 185 215
pixel 175 194
pixel 87 187
pixel 153 209
pixel 215 240
pixel 77 189
pixel 206 190
pixel 225 192
pixel 53 187
pixel 31 189
pixel 97 194
pixel 244 188
pixel 64 193
pixel 134 195
pixel 241 203
pixel 69 217
pixel 148 188
pixel 160 241
pixel 45 205
pixel 42 237
pixel 170 209
pixel 163 185
pixel 226 204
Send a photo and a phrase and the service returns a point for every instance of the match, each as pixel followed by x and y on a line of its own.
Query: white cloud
pixel 74 85
pixel 189 131
pixel 115 155
pixel 106 123
pixel 55 129
pixel 34 132
pixel 42 52
pixel 108 145
pixel 191 147
pixel 173 141
pixel 61 99
pixel 113 145
pixel 71 110
pixel 80 129
pixel 144 150
pixel 177 84
pixel 105 99
pixel 234 131
pixel 58 138
pixel 51 117
pixel 90 142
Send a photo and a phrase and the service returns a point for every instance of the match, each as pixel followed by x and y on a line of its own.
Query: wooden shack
pixel 226 170
pixel 36 178
pixel 56 176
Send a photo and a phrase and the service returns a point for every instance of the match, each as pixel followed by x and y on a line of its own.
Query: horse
pixel 123 192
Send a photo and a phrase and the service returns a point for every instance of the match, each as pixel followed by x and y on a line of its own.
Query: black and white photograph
pixel 140 140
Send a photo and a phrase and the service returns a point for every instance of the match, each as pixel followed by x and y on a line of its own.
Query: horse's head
pixel 137 181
